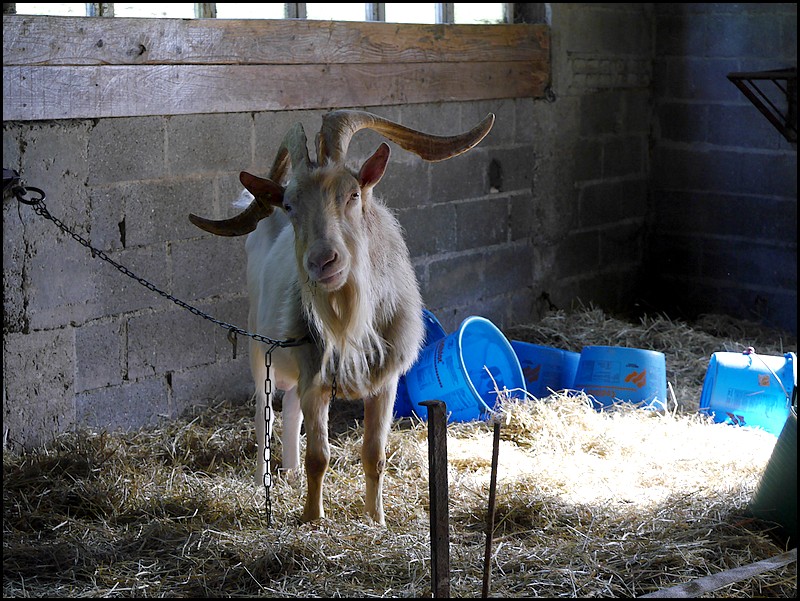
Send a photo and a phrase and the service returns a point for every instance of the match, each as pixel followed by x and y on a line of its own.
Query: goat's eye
pixel 288 208
pixel 354 196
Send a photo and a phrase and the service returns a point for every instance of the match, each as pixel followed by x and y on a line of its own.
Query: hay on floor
pixel 619 503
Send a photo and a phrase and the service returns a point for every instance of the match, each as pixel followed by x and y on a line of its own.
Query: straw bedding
pixel 619 503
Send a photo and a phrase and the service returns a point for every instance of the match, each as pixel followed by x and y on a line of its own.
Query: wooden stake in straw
pixel 437 486
pixel 487 559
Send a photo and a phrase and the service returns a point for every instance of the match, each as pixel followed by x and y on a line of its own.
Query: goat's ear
pixel 265 190
pixel 374 167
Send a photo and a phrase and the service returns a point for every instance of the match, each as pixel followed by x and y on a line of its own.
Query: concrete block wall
pixel 85 345
pixel 591 149
pixel 724 180
pixel 550 210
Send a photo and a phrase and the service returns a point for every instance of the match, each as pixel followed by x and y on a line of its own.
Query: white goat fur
pixel 369 331
pixel 332 265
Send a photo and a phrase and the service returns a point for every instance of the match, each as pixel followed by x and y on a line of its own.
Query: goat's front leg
pixel 315 412
pixel 290 437
pixel 377 422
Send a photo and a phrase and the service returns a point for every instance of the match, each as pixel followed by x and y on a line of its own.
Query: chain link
pixel 38 206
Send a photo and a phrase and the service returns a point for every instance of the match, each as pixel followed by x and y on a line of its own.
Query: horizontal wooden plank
pixel 67 92
pixel 45 40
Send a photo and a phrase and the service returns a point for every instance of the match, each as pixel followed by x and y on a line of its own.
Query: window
pixel 236 10
pixel 394 12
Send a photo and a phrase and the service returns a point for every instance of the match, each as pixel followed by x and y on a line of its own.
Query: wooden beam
pixel 37 40
pixel 72 67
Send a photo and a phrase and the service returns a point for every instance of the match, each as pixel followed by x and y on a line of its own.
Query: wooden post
pixel 437 486
pixel 487 559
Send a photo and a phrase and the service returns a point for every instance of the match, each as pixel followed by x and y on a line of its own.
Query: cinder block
pixel 624 156
pixel 588 159
pixel 506 269
pixel 204 144
pixel 168 341
pixel 429 230
pixel 464 176
pixel 741 126
pixel 15 318
pixel 116 292
pixel 108 218
pixel 680 122
pixel 578 254
pixel 482 222
pixel 128 407
pixel 405 184
pixel 221 380
pixel 517 166
pixel 61 282
pixel 158 212
pixel 679 33
pixel 702 79
pixel 455 280
pixel 608 202
pixel 521 222
pixel 443 119
pixel 127 148
pixel 38 390
pixel 762 266
pixel 208 266
pixel 98 355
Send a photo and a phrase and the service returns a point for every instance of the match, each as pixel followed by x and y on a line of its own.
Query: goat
pixel 332 265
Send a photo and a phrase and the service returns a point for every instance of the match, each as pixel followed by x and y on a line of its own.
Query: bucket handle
pixel 750 351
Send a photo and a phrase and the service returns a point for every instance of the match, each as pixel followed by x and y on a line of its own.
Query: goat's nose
pixel 323 261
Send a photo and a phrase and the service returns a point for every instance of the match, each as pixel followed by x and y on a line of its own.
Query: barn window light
pixel 394 12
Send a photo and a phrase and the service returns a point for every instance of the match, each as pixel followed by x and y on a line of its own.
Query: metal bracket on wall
pixel 785 80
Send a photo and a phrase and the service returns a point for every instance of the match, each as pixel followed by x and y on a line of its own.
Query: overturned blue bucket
pixel 433 332
pixel 545 368
pixel 610 374
pixel 454 370
pixel 749 389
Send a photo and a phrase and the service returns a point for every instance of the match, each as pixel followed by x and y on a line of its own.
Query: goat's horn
pixel 264 202
pixel 338 127
pixel 267 193
pixel 244 223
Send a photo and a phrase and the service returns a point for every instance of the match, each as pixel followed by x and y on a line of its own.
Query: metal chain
pixel 38 206
pixel 267 437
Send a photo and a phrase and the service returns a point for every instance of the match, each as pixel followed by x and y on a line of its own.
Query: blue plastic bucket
pixel 452 370
pixel 433 332
pixel 748 389
pixel 610 374
pixel 545 368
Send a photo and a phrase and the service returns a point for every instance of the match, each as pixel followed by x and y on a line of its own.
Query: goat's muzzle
pixel 326 267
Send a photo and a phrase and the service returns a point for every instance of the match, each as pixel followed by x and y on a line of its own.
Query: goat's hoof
pixel 376 521
pixel 311 516
pixel 292 476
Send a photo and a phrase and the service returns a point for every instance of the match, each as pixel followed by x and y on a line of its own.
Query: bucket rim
pixel 482 406
pixel 623 348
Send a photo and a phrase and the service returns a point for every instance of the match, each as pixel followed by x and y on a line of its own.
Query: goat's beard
pixel 354 352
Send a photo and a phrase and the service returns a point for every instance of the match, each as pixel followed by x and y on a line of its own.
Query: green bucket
pixel 775 499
